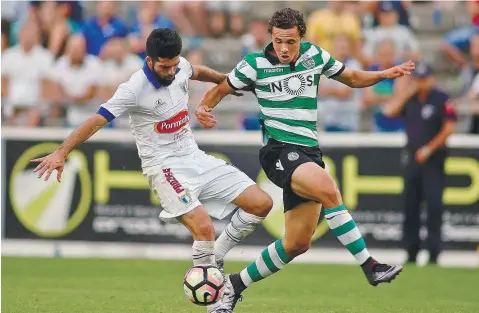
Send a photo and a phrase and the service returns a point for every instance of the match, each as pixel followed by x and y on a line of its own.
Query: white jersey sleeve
pixel 123 100
pixel 184 63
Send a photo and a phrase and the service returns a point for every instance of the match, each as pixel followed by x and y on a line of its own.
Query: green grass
pixel 34 285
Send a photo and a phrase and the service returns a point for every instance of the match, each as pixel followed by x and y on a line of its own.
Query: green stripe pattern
pixel 279 87
pixel 271 260
pixel 344 228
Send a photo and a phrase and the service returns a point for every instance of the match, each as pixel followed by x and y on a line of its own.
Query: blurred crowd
pixel 61 59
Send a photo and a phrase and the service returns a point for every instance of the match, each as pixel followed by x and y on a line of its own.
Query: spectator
pixel 56 25
pixel 470 69
pixel 24 70
pixel 220 12
pixel 12 12
pixel 378 95
pixel 76 77
pixel 196 88
pixel 189 17
pixel 339 104
pixel 472 100
pixel 5 35
pixel 257 38
pixel 102 27
pixel 456 42
pixel 407 47
pixel 118 68
pixel 470 80
pixel 147 20
pixel 323 25
pixel 372 12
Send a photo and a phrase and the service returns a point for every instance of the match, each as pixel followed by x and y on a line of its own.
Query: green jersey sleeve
pixel 332 67
pixel 244 74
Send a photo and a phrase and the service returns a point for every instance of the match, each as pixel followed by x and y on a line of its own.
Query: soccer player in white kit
pixel 184 177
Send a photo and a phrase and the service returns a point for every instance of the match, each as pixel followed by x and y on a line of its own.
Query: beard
pixel 165 81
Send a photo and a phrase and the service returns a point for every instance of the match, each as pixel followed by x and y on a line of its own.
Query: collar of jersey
pixel 274 60
pixel 152 77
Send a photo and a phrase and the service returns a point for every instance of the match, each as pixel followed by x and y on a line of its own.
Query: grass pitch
pixel 36 285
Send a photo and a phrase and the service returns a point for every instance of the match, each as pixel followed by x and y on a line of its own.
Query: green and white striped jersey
pixel 287 93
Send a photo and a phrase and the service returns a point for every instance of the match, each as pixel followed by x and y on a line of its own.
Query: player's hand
pixel 404 69
pixel 422 154
pixel 205 117
pixel 54 161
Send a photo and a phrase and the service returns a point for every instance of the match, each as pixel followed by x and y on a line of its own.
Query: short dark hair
pixel 163 43
pixel 288 18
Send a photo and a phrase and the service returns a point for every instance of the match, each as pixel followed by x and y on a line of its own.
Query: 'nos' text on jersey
pixel 173 124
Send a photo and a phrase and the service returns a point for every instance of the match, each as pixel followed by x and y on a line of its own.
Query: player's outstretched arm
pixel 361 79
pixel 211 98
pixel 206 74
pixel 56 160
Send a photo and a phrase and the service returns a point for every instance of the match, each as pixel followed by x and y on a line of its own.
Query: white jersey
pixel 159 119
pixel 181 175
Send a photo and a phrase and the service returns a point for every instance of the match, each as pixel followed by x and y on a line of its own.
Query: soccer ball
pixel 204 285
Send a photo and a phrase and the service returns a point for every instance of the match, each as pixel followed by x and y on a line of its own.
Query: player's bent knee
pixel 255 201
pixel 264 205
pixel 330 195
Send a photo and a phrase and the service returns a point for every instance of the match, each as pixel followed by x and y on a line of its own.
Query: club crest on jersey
pixel 184 86
pixel 308 63
pixel 241 65
pixel 173 124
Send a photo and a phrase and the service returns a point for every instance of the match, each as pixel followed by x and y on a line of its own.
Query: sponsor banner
pixel 104 196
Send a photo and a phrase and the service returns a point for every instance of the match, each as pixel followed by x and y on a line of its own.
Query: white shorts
pixel 183 183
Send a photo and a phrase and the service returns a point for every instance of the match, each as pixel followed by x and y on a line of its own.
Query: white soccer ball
pixel 204 285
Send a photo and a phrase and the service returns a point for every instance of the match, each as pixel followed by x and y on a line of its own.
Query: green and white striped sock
pixel 271 260
pixel 344 228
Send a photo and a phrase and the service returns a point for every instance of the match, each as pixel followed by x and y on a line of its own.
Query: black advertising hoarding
pixel 104 197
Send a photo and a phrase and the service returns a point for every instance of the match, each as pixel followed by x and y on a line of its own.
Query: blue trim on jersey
pixel 152 77
pixel 106 114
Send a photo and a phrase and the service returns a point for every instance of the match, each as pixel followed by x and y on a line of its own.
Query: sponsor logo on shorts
pixel 170 178
pixel 173 124
pixel 293 156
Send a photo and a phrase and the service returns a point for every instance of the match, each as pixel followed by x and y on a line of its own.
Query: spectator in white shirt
pixel 338 104
pixel 76 78
pixel 407 47
pixel 24 71
pixel 118 68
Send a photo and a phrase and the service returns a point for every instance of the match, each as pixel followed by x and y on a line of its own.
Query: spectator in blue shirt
pixel 147 19
pixel 457 41
pixel 102 27
pixel 381 93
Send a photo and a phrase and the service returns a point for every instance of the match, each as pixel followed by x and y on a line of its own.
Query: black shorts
pixel 279 160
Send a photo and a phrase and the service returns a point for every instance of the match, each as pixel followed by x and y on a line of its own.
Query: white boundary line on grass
pixel 124 250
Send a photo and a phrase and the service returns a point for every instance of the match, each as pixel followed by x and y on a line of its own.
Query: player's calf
pixel 311 181
pixel 199 224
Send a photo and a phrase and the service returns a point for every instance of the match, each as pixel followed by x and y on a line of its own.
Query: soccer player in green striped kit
pixel 285 79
